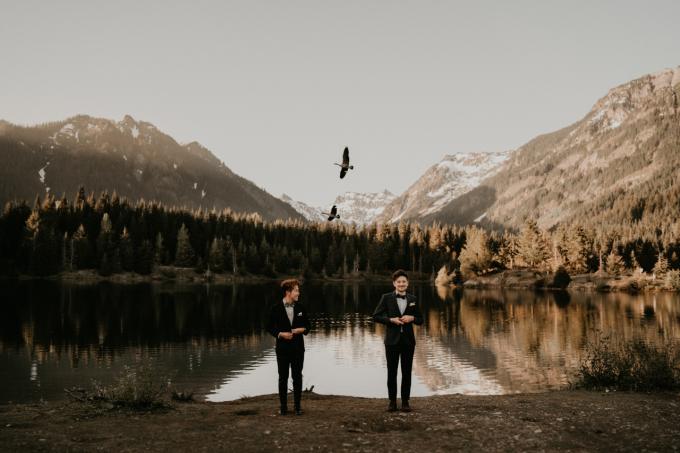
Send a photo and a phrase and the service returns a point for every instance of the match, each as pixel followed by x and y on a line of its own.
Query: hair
pixel 399 273
pixel 288 285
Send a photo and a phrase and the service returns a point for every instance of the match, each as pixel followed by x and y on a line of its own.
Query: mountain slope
pixel 362 208
pixel 353 207
pixel 452 177
pixel 131 157
pixel 623 154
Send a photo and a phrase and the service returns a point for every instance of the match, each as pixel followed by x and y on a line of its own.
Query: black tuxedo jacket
pixel 388 308
pixel 278 322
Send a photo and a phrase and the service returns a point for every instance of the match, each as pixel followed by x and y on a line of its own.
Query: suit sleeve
pixel 272 324
pixel 380 313
pixel 417 315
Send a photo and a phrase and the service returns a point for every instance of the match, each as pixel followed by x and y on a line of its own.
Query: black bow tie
pixel 402 296
pixel 289 304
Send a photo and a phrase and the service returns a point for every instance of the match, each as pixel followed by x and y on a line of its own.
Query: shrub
pixel 631 365
pixel 672 280
pixel 138 387
pixel 560 278
pixel 183 396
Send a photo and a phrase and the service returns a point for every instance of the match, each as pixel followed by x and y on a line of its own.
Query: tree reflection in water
pixel 55 335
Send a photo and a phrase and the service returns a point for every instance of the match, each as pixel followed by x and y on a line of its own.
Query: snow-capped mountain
pixel 453 176
pixel 131 157
pixel 308 212
pixel 362 208
pixel 353 207
pixel 618 165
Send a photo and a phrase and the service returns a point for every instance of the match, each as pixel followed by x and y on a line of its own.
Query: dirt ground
pixel 565 421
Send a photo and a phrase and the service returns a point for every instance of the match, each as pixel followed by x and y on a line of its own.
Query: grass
pixel 633 365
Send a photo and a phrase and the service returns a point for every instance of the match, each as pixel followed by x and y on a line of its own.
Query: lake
pixel 211 339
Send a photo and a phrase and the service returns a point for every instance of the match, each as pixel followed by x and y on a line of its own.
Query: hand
pixel 407 319
pixel 286 335
pixel 298 330
pixel 396 321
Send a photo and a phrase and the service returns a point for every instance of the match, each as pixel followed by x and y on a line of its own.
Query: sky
pixel 277 89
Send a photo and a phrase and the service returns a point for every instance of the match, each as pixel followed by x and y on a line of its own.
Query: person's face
pixel 400 284
pixel 294 294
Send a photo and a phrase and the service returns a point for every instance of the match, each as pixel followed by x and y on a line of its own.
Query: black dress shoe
pixel 392 407
pixel 298 411
pixel 283 411
pixel 405 407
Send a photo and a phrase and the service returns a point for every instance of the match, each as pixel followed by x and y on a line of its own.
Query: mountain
pixel 617 166
pixel 453 176
pixel 353 207
pixel 362 208
pixel 133 158
pixel 308 212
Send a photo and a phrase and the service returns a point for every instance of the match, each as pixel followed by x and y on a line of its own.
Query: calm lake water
pixel 211 339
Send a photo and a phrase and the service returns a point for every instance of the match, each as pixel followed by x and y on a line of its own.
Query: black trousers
pixel 401 351
pixel 286 360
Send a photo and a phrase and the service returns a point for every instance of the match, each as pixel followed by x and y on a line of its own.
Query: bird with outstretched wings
pixel 333 214
pixel 345 166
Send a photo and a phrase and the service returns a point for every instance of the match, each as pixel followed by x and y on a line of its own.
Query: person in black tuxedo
pixel 399 311
pixel 288 323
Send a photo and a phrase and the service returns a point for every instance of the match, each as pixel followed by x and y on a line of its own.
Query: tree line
pixel 112 234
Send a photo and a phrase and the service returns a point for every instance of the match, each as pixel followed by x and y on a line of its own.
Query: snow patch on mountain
pixel 308 212
pixel 362 208
pixel 353 207
pixel 455 175
pixel 42 173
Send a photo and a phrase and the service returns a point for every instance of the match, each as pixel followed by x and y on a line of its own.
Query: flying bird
pixel 333 214
pixel 345 166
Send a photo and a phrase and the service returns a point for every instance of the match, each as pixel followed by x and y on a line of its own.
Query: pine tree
pixel 614 263
pixel 81 254
pixel 185 256
pixel 475 257
pixel 108 258
pixel 159 251
pixel 144 258
pixel 532 248
pixel 217 258
pixel 42 245
pixel 634 265
pixel 661 266
pixel 507 251
pixel 578 251
pixel 66 253
pixel 127 255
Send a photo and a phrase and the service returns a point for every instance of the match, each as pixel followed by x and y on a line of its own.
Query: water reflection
pixel 212 339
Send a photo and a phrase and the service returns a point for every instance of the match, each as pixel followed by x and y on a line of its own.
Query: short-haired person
pixel 399 311
pixel 288 323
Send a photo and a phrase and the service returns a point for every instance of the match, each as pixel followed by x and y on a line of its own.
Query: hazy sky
pixel 276 89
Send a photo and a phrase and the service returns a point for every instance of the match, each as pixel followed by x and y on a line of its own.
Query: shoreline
pixel 559 420
pixel 524 279
pixel 170 274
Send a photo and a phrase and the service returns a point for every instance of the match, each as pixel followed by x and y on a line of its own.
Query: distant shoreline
pixel 188 275
pixel 524 279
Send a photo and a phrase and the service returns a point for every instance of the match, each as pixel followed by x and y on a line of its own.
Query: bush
pixel 560 278
pixel 632 365
pixel 635 285
pixel 139 387
pixel 672 280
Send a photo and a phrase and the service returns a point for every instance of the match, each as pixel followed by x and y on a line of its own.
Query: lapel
pixel 395 305
pixel 409 299
pixel 285 315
